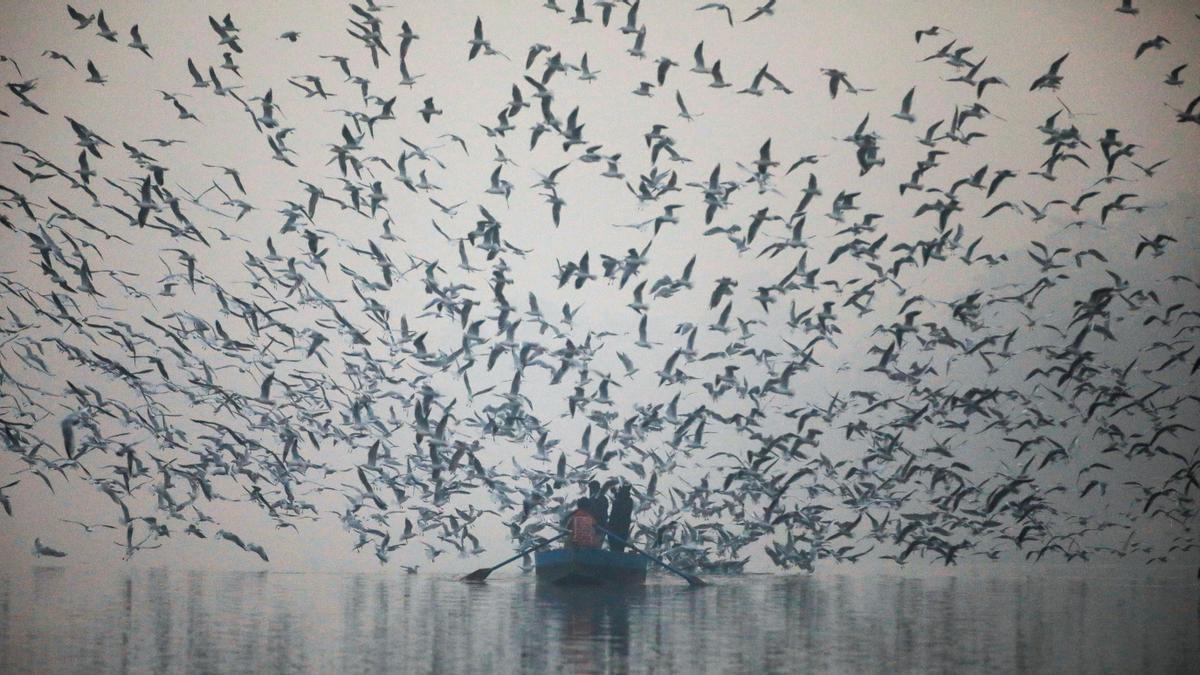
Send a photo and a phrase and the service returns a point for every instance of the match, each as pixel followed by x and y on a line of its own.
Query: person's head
pixel 594 487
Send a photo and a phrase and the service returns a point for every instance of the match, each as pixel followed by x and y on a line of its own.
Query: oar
pixel 482 573
pixel 692 579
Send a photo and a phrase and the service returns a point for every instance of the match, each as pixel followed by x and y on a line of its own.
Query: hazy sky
pixel 873 43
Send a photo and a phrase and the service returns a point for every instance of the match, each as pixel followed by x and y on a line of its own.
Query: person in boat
pixel 621 517
pixel 599 501
pixel 581 526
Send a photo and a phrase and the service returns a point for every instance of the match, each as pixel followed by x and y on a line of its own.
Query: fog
pixel 329 404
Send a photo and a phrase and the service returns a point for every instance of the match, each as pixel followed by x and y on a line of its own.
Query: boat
pixel 589 567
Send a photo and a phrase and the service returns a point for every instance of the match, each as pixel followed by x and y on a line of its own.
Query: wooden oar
pixel 482 573
pixel 692 579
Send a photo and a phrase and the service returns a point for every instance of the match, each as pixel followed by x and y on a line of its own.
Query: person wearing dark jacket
pixel 599 502
pixel 620 519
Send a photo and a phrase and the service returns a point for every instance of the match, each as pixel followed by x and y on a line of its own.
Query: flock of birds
pixel 1046 414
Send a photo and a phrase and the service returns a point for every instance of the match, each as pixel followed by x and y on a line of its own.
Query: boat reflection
pixel 590 623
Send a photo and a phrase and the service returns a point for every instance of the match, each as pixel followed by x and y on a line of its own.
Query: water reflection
pixel 592 627
pixel 54 619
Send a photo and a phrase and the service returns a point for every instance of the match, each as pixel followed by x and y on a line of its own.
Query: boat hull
pixel 589 567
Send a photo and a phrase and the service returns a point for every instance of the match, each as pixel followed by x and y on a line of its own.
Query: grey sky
pixel 1104 86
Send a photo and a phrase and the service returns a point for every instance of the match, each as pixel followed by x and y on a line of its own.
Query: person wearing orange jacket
pixel 581 525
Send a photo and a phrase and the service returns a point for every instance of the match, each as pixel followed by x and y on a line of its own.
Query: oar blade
pixel 480 574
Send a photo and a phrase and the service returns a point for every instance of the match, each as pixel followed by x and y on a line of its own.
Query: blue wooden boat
pixel 589 566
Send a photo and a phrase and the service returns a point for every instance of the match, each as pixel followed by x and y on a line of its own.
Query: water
pixel 70 620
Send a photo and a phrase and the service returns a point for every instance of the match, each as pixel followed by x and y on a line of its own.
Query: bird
pixel 1173 78
pixel 61 57
pixel 1127 8
pixel 428 110
pixel 105 32
pixel 81 20
pixel 683 109
pixel 40 549
pixel 906 107
pixel 137 42
pixel 477 42
pixel 767 9
pixel 1156 42
pixel 838 77
pixel 580 16
pixel 932 31
pixel 5 500
pixel 88 528
pixel 1157 245
pixel 720 7
pixel 1050 79
pixel 1149 170
pixel 94 76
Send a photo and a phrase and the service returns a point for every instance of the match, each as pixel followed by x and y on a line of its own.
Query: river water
pixel 79 620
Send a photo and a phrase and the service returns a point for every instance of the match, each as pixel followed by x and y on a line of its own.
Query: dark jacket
pixel 620 519
pixel 600 509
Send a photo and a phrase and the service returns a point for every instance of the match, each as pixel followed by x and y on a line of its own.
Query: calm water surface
pixel 70 620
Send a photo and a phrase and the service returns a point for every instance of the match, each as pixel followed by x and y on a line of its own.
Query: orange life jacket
pixel 583 530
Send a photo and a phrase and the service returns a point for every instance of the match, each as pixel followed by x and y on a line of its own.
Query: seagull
pixel 721 7
pixel 586 74
pixel 62 57
pixel 198 80
pixel 86 172
pixel 40 549
pixel 580 16
pixel 448 210
pixel 137 42
pixel 1050 79
pixel 1157 245
pixel 226 32
pixel 1173 78
pixel 477 42
pixel 105 32
pixel 837 77
pixel 80 20
pixel 664 64
pixel 184 113
pixel 5 500
pixel 932 31
pixel 406 39
pixel 1189 114
pixel 718 81
pixel 94 75
pixel 683 109
pixel 767 9
pixel 499 186
pixel 1127 8
pixel 698 58
pixel 87 528
pixel 1149 170
pixel 428 110
pixel 906 108
pixel 1157 42
pixel 406 79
